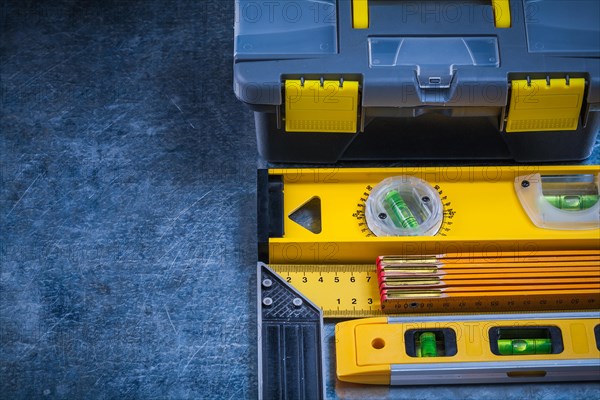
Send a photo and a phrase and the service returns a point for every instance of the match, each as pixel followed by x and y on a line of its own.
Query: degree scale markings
pixel 448 212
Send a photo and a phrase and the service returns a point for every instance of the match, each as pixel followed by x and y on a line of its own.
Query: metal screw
pixel 267 283
pixel 525 184
pixel 267 301
pixel 382 216
pixel 297 302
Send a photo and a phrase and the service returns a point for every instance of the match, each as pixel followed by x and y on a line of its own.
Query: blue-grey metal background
pixel 127 210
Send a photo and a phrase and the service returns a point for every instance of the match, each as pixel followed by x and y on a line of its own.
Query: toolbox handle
pixel 360 14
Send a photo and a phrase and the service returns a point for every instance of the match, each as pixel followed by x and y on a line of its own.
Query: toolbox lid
pixel 553 27
pixel 278 28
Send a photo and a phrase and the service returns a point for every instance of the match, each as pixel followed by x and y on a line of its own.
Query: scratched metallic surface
pixel 127 210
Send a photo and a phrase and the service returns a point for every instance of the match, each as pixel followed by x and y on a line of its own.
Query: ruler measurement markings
pixel 351 291
pixel 341 291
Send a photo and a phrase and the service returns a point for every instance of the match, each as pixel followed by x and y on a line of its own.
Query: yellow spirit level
pixel 320 216
pixel 469 349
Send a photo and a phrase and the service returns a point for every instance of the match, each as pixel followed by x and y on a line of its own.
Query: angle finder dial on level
pixel 404 206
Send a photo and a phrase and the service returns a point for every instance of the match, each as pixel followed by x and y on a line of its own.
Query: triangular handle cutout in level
pixel 308 215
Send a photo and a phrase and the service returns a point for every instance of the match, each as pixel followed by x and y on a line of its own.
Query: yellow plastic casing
pixel 480 203
pixel 348 352
pixel 545 105
pixel 321 106
pixel 502 17
pixel 360 14
pixel 367 348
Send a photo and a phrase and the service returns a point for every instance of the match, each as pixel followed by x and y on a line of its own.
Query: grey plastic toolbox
pixel 333 80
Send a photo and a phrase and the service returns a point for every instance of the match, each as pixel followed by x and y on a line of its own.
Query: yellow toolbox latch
pixel 321 106
pixel 545 104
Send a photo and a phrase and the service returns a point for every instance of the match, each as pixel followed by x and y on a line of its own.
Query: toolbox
pixel 333 80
